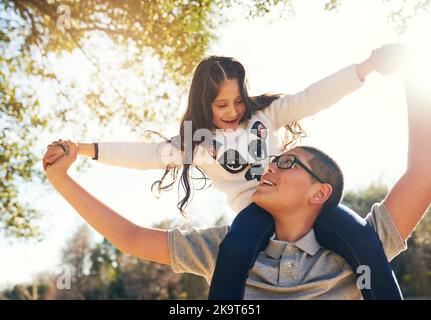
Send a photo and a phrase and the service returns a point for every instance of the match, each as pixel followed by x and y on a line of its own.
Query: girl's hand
pixel 388 59
pixel 63 163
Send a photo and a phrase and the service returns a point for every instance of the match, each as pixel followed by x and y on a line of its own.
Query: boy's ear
pixel 322 194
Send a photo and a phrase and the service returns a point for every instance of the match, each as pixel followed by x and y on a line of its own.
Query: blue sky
pixel 365 132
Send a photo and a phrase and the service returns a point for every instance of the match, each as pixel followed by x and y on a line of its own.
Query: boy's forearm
pixel 411 195
pixel 118 230
pixel 418 99
pixel 86 149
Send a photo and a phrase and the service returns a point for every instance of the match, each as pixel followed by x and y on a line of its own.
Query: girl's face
pixel 228 107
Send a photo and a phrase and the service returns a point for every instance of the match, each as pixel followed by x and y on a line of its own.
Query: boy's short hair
pixel 329 171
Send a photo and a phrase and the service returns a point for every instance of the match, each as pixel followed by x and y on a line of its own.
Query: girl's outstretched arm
pixel 133 155
pixel 328 91
pixel 139 155
pixel 121 232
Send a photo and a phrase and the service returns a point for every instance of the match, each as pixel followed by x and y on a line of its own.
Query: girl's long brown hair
pixel 208 76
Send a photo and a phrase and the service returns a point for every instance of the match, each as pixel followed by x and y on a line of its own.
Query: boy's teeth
pixel 269 183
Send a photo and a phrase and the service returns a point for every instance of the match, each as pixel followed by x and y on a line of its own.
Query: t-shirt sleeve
pixel 140 155
pixel 316 97
pixel 195 250
pixel 380 219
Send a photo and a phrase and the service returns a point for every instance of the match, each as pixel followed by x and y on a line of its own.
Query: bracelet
pixel 66 151
pixel 96 151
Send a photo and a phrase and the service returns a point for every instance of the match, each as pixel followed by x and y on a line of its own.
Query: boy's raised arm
pixel 121 232
pixel 411 195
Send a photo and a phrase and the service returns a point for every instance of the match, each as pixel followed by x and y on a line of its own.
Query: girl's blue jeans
pixel 338 229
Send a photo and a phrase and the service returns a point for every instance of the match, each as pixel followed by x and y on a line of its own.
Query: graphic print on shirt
pixel 234 162
pixel 230 160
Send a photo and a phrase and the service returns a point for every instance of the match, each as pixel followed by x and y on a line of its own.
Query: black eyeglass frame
pixel 295 161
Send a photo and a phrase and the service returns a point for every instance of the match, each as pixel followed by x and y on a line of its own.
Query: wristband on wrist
pixel 96 151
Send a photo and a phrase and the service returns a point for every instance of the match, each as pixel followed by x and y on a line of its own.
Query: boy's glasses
pixel 288 161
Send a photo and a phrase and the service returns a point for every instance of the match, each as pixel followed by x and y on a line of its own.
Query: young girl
pixel 227 134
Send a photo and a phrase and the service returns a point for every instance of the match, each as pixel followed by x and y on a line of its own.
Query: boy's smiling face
pixel 281 190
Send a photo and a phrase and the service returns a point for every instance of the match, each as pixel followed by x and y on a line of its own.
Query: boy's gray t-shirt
pixel 295 270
